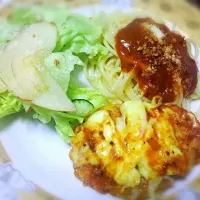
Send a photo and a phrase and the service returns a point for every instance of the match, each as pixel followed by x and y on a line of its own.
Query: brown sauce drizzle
pixel 162 67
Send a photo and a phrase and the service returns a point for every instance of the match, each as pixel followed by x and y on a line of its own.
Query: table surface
pixel 186 16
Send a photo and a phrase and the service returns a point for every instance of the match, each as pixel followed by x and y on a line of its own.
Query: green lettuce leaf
pixel 89 94
pixel 79 40
pixel 9 104
pixel 64 128
pixel 76 32
pixel 7 32
pixel 64 122
pixel 81 36
pixel 60 65
pixel 25 15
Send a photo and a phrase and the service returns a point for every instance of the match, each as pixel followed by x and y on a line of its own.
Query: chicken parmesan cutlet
pixel 124 148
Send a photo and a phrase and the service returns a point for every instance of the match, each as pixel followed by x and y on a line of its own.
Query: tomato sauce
pixel 162 66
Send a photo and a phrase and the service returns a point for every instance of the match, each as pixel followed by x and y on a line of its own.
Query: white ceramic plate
pixel 39 153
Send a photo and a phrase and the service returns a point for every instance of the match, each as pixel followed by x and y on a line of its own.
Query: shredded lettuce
pixel 9 104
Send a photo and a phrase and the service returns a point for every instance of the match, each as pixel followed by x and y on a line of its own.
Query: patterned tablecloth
pixel 182 13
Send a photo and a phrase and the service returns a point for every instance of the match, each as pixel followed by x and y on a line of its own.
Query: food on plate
pixel 9 104
pixel 130 135
pixel 123 148
pixel 23 73
pixel 158 58
pixel 146 60
pixel 42 51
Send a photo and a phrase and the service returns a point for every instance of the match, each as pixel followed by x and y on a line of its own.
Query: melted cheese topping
pixel 131 142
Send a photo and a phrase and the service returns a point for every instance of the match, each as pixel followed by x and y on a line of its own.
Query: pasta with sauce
pixel 120 82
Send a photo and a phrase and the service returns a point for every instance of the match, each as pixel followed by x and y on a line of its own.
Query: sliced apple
pixel 22 70
pixel 6 72
pixel 3 87
pixel 54 97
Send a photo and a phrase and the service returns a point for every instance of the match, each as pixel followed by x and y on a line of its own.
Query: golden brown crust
pixel 96 178
pixel 187 132
pixel 186 129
